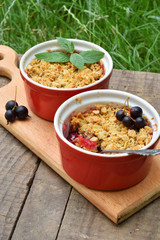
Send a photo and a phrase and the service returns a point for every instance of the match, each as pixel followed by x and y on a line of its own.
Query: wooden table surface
pixel 37 204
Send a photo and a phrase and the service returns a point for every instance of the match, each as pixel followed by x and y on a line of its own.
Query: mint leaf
pixel 91 56
pixel 67 45
pixel 53 56
pixel 77 60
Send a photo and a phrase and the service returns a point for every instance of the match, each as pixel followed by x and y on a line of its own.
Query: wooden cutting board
pixel 39 136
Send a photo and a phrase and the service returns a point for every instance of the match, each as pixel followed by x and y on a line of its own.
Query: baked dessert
pixel 98 129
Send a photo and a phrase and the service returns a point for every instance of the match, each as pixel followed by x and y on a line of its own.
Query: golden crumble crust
pixel 100 124
pixel 63 75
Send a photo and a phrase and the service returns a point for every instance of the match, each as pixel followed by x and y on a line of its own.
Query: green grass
pixel 128 30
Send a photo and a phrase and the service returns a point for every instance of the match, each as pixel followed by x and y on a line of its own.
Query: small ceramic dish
pixel 44 100
pixel 96 170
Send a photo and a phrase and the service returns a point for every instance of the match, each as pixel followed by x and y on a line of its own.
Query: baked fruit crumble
pixel 98 129
pixel 63 75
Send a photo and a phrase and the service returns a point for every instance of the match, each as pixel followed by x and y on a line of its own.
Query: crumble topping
pixel 63 75
pixel 98 129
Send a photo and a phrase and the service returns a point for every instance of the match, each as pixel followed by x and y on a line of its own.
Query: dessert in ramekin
pixel 94 169
pixel 44 100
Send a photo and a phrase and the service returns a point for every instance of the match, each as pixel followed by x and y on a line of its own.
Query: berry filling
pixel 81 141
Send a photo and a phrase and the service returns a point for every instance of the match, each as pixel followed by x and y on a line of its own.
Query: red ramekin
pixel 44 100
pixel 103 171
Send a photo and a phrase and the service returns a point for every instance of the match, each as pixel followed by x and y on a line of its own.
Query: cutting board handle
pixel 9 63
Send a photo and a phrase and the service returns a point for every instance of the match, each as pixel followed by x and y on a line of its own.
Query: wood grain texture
pixel 44 208
pixel 37 133
pixel 142 84
pixel 82 221
pixel 17 166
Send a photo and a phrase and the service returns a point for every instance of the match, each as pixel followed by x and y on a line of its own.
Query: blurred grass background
pixel 128 30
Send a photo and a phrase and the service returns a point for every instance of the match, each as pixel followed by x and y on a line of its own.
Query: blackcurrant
pixel 10 115
pixel 127 121
pixel 136 112
pixel 120 115
pixel 21 112
pixel 11 104
pixel 139 122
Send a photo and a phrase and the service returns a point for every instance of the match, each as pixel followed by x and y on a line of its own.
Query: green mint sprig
pixel 78 60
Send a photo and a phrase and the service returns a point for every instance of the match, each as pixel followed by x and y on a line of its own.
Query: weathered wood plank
pixel 82 221
pixel 17 166
pixel 44 208
pixel 142 84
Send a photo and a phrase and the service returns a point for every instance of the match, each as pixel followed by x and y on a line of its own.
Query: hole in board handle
pixel 5 76
pixel 1 56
